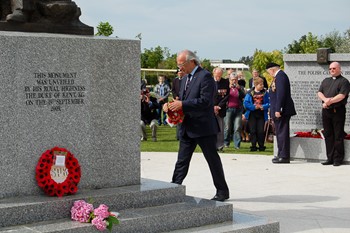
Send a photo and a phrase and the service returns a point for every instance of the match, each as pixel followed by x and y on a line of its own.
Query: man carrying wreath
pixel 199 126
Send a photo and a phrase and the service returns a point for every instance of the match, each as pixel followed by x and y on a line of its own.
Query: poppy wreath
pixel 175 117
pixel 43 173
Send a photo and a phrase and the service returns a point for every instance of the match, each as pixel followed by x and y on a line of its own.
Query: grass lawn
pixel 166 142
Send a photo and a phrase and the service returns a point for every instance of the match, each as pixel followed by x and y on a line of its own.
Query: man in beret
pixel 281 110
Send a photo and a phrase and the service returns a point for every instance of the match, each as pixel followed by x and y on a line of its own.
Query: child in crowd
pixel 257 103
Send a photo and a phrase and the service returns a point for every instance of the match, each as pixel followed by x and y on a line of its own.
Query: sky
pixel 221 29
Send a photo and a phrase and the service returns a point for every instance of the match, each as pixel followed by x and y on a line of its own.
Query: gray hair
pixel 190 56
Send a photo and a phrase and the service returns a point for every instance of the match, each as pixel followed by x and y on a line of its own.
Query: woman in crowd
pixel 233 118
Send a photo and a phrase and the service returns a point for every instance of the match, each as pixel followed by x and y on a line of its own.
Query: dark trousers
pixel 283 136
pixel 208 146
pixel 333 125
pixel 256 124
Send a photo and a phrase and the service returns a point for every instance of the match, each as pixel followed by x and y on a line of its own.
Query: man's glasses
pixel 181 65
pixel 332 68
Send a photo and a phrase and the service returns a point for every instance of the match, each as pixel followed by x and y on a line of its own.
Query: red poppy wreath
pixel 58 172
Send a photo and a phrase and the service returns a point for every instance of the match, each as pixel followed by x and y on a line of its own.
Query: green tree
pixel 246 60
pixel 151 58
pixel 311 44
pixel 295 47
pixel 306 44
pixel 169 62
pixel 261 58
pixel 344 47
pixel 104 29
pixel 206 65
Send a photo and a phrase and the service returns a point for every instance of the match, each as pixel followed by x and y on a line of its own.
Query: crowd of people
pixel 243 113
pixel 237 120
pixel 216 110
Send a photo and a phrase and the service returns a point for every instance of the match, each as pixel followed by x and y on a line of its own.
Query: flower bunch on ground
pixel 100 217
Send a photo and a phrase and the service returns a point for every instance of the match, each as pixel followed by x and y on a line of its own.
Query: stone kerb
pixel 76 92
pixel 305 76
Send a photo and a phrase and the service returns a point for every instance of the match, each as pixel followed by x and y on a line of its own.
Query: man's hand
pixel 216 110
pixel 166 107
pixel 277 114
pixel 175 105
pixel 328 102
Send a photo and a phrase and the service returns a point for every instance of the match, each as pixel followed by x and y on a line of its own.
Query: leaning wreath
pixel 58 172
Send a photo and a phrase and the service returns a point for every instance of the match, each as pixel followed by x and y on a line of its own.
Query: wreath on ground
pixel 58 172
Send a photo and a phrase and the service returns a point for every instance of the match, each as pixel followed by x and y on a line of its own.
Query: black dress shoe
pixel 253 148
pixel 327 163
pixel 336 164
pixel 220 197
pixel 280 160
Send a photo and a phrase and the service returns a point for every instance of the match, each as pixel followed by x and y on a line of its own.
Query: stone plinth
pixel 311 149
pixel 76 92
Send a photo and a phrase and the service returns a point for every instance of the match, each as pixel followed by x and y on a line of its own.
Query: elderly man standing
pixel 281 110
pixel 334 92
pixel 199 126
pixel 220 102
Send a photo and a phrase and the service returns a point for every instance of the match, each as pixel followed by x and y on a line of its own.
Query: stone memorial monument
pixel 81 93
pixel 306 72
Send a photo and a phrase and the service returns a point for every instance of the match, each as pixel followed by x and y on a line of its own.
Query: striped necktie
pixel 188 81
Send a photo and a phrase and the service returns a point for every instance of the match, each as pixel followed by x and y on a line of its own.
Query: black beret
pixel 271 64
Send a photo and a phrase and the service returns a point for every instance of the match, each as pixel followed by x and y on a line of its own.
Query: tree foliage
pixel 261 58
pixel 151 58
pixel 206 65
pixel 309 43
pixel 104 29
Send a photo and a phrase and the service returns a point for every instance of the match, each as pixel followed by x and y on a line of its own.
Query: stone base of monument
pixel 153 206
pixel 311 149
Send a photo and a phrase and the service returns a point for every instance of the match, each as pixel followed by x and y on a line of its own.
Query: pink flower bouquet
pixel 100 217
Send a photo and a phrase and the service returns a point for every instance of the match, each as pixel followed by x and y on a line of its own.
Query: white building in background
pixel 225 65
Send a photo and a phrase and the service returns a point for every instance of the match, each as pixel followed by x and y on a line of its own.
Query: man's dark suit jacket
pixel 222 95
pixel 176 87
pixel 280 99
pixel 198 105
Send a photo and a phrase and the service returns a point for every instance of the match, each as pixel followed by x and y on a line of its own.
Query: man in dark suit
pixel 255 75
pixel 220 103
pixel 281 110
pixel 199 126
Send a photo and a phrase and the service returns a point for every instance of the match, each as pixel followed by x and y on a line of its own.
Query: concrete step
pixel 192 212
pixel 243 223
pixel 31 209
